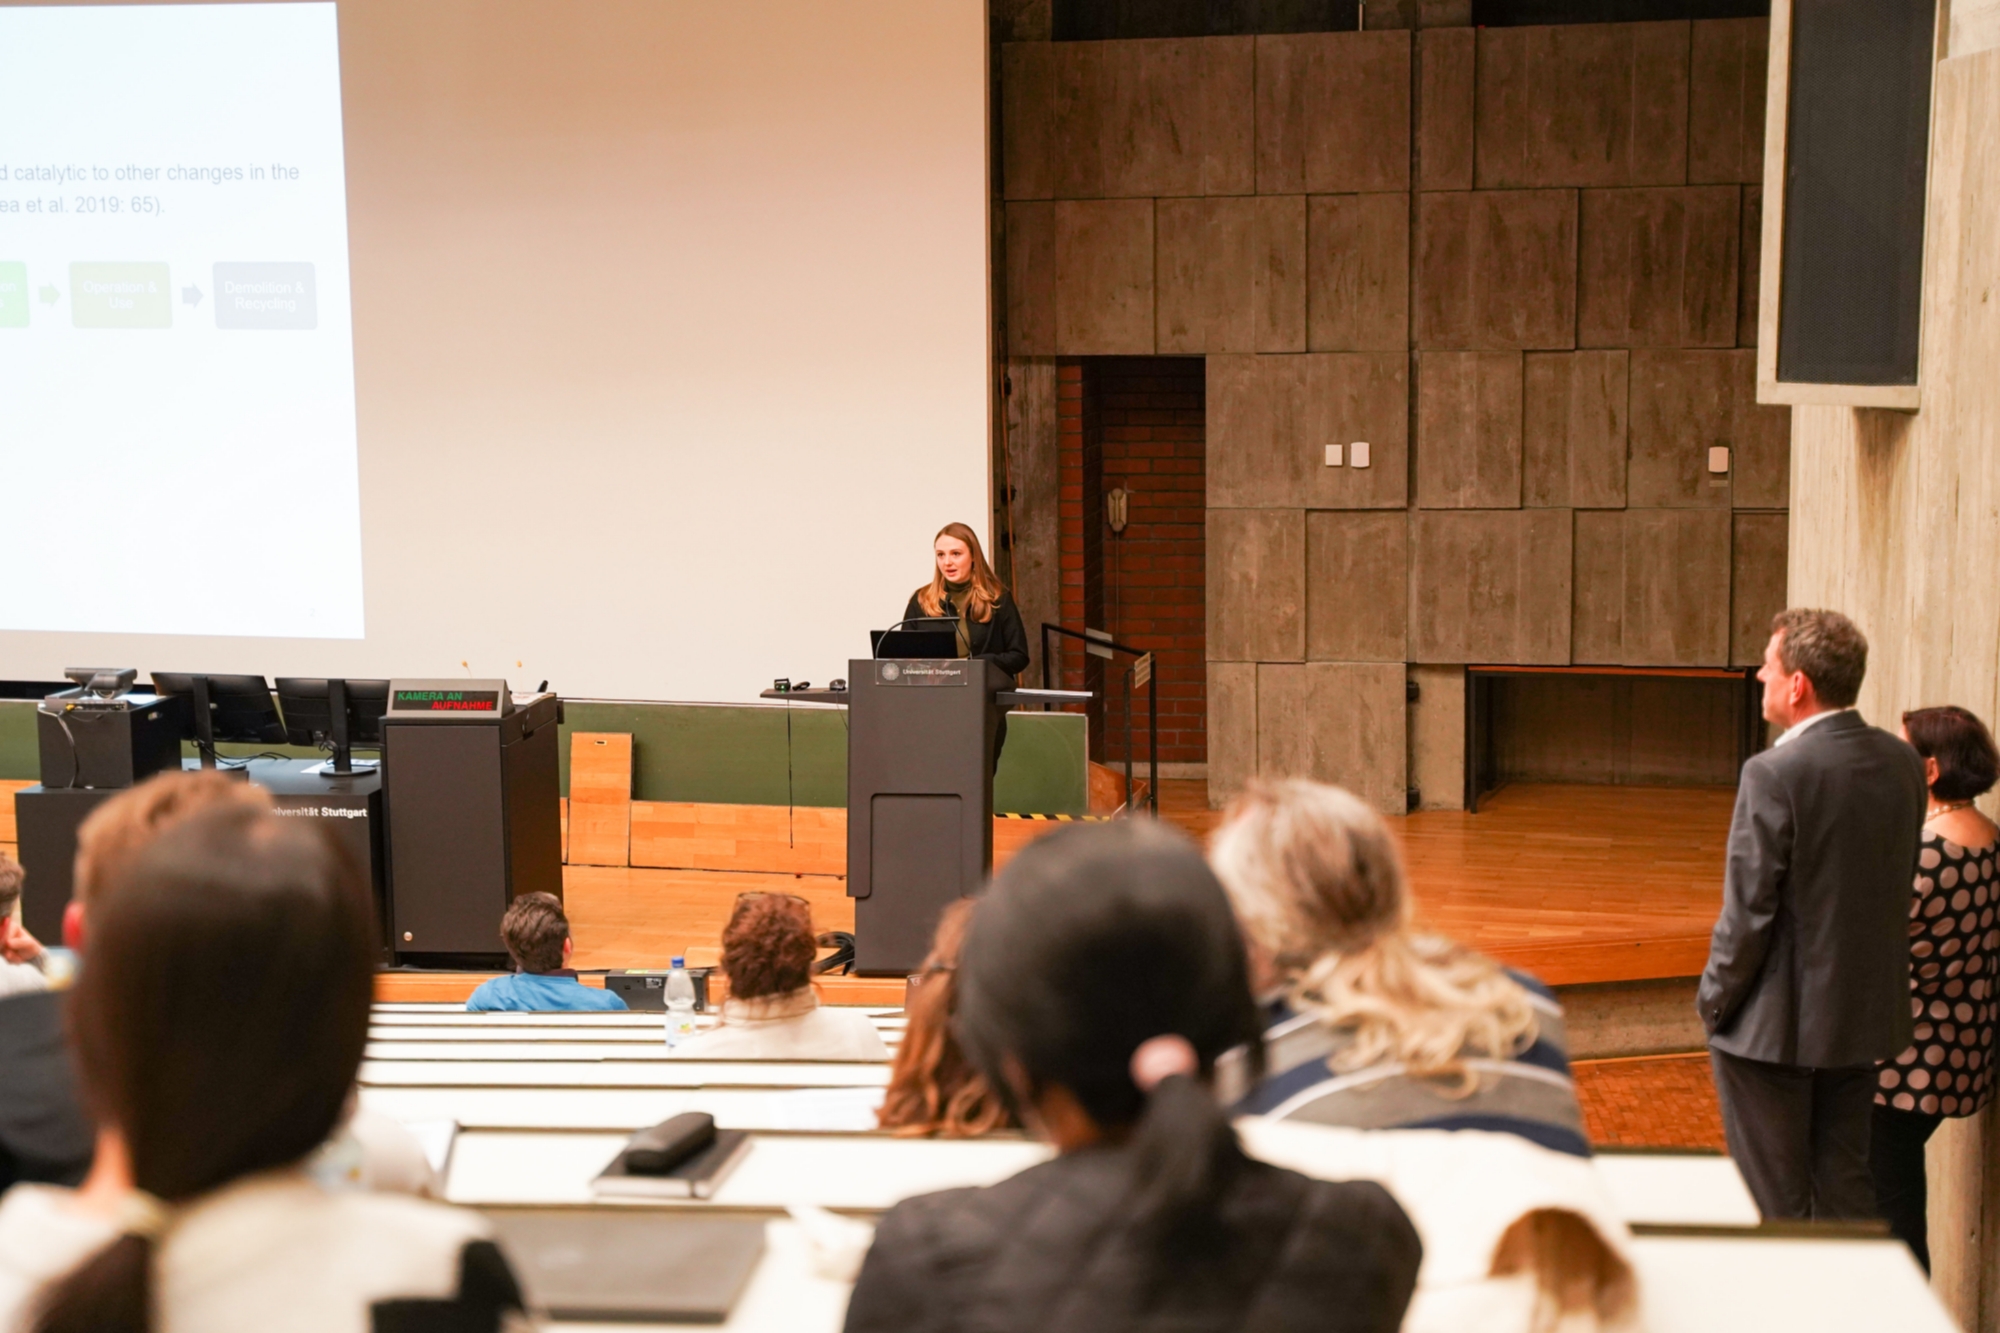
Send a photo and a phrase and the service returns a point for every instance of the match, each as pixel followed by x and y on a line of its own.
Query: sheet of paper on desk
pixel 827 1109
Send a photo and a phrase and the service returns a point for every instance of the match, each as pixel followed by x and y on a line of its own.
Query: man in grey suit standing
pixel 1808 976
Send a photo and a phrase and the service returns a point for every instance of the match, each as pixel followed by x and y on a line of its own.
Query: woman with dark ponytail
pixel 1102 977
pixel 218 1025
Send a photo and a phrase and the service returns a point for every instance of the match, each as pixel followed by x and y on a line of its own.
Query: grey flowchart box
pixel 266 296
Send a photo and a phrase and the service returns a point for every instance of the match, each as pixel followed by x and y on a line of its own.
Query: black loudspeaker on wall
pixel 1855 149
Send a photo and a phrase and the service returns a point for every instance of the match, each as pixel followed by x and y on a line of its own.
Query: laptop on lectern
pixel 917 638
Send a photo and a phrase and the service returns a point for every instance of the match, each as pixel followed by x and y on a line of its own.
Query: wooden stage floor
pixel 1577 884
pixel 1573 883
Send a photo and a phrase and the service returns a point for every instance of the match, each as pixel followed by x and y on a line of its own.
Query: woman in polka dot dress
pixel 1954 948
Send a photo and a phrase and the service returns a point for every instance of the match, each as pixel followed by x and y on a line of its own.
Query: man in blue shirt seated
pixel 537 936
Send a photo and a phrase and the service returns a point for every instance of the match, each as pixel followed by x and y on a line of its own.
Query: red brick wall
pixel 1137 422
pixel 1079 506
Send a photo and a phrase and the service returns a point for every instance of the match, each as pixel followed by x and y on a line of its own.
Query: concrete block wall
pixel 1512 260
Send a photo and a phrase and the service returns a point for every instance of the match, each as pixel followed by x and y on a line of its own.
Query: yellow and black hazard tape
pixel 1081 819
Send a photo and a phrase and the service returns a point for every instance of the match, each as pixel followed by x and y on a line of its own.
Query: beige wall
pixel 1896 520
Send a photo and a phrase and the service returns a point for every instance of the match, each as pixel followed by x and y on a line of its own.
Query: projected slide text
pixel 177 421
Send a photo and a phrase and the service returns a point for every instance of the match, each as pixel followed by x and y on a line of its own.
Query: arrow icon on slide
pixel 49 294
pixel 190 296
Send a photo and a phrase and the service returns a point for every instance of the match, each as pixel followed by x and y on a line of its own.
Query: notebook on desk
pixel 696 1178
pixel 629 1264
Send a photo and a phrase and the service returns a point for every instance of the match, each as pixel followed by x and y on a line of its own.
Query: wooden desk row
pixel 1701 1280
pixel 544 1102
pixel 1692 1284
pixel 415 1014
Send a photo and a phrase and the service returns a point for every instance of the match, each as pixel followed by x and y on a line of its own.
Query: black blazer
pixel 1810 961
pixel 44 1133
pixel 1001 639
pixel 1049 1251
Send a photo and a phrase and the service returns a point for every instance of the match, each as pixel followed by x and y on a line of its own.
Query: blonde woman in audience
pixel 219 1024
pixel 1102 977
pixel 1368 1023
pixel 933 1088
pixel 1412 1060
pixel 772 1013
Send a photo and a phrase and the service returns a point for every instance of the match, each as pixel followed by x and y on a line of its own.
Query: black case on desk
pixel 919 799
pixel 116 744
pixel 644 990
pixel 471 801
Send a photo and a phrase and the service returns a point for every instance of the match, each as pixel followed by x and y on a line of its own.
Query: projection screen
pixel 640 345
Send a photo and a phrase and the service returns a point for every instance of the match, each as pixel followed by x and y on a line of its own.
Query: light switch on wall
pixel 1357 453
pixel 1333 452
pixel 1718 459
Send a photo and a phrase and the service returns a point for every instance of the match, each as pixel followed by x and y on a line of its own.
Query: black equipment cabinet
pixel 90 748
pixel 473 821
pixel 107 743
pixel 919 799
pixel 348 806
pixel 46 820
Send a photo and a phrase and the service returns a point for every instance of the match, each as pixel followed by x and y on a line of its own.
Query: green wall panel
pixel 735 754
pixel 742 755
pixel 730 754
pixel 1043 769
pixel 18 756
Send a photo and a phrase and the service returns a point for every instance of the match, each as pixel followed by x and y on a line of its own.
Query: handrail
pixel 1140 671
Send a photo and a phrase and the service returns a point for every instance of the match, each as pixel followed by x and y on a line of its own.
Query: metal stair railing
pixel 1139 670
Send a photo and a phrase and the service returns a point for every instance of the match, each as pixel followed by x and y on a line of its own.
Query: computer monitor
pixel 232 709
pixel 335 715
pixel 927 638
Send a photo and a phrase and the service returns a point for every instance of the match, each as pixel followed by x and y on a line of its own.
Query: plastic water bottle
pixel 680 1003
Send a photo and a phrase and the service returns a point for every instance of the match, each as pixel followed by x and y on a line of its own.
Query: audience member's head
pixel 933 1089
pixel 768 946
pixel 218 1026
pixel 128 821
pixel 536 933
pixel 12 877
pixel 11 883
pixel 1814 661
pixel 1102 976
pixel 1318 884
pixel 16 944
pixel 1960 761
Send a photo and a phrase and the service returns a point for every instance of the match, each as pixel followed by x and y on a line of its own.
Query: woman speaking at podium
pixel 964 588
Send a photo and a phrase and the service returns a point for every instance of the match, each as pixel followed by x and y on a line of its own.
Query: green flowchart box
pixel 120 296
pixel 13 295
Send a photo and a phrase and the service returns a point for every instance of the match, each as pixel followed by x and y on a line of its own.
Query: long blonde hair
pixel 1318 884
pixel 987 590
